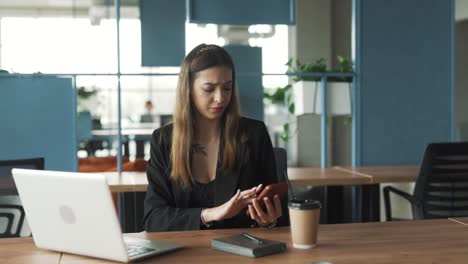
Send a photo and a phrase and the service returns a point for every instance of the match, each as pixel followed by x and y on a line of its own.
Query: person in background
pixel 208 165
pixel 147 117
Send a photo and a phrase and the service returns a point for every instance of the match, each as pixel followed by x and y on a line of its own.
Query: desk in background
pixel 419 242
pixel 385 174
pixel 138 182
pixel 368 196
pixel 140 133
pixel 127 181
pixel 333 176
pixel 365 205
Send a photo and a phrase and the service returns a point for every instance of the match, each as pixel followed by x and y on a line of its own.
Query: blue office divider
pixel 248 62
pixel 405 70
pixel 162 32
pixel 241 12
pixel 38 119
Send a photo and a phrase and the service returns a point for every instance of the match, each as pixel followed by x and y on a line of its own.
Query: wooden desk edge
pixel 458 221
pixel 128 188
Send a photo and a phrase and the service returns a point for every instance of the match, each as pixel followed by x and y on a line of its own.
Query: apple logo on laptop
pixel 67 214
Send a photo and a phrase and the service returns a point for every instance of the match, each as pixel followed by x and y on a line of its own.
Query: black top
pixel 168 205
pixel 202 194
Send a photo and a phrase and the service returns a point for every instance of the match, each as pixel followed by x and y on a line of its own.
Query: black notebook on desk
pixel 247 245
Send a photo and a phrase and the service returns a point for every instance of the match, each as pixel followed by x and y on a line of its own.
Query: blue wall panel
pixel 406 83
pixel 38 119
pixel 248 62
pixel 162 32
pixel 241 12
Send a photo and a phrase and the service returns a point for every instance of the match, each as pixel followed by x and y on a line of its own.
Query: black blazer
pixel 166 201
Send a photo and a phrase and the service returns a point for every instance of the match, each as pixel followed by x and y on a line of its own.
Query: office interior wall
pixel 341 43
pixel 341 29
pixel 406 85
pixel 240 12
pixel 310 38
pixel 322 30
pixel 162 32
pixel 248 60
pixel 38 119
pixel 461 81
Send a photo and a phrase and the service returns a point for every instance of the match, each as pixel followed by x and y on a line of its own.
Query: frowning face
pixel 211 92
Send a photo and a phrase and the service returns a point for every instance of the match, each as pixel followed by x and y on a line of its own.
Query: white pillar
pixel 0 42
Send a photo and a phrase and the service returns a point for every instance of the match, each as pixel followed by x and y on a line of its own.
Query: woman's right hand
pixel 231 208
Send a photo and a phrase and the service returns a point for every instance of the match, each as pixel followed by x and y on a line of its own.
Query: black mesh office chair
pixel 281 161
pixel 441 188
pixel 12 216
pixel 164 119
pixel 8 218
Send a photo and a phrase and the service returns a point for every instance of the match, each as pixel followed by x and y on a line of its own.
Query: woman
pixel 208 165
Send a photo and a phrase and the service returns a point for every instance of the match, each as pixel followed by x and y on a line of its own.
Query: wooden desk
pixel 370 194
pixel 23 251
pixel 325 177
pixel 333 176
pixel 125 132
pixel 418 242
pixel 382 174
pixel 460 220
pixel 128 181
pixel 138 182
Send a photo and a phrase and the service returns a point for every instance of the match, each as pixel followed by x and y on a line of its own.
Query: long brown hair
pixel 200 58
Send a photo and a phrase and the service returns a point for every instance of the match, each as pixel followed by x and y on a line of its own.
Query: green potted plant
pixel 307 90
pixel 87 99
pixel 282 96
pixel 289 95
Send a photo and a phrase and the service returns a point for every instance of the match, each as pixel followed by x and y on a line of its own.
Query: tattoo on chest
pixel 199 149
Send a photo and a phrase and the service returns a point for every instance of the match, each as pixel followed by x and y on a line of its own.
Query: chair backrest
pixel 7 222
pixel 146 118
pixel 12 216
pixel 7 184
pixel 281 163
pixel 441 188
pixel 281 160
pixel 164 119
pixel 84 126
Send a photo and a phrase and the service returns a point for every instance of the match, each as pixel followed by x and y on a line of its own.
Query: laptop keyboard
pixel 135 250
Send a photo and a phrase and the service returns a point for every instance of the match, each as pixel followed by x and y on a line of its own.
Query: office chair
pixel 10 204
pixel 441 189
pixel 84 127
pixel 13 227
pixel 164 119
pixel 9 223
pixel 281 162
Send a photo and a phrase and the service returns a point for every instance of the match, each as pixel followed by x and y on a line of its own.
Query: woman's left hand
pixel 270 215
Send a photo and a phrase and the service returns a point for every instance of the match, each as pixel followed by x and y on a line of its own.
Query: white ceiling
pixel 43 3
pixel 60 3
pixel 66 8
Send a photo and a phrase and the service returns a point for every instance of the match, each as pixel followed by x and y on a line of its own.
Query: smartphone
pixel 280 189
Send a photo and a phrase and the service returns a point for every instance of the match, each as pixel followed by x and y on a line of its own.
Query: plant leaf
pixel 292 108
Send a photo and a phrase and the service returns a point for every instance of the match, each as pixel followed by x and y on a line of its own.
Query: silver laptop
pixel 74 213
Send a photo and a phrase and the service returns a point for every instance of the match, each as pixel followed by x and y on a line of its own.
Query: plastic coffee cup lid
pixel 304 204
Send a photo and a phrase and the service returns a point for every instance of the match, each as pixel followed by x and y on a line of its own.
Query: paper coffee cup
pixel 304 217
